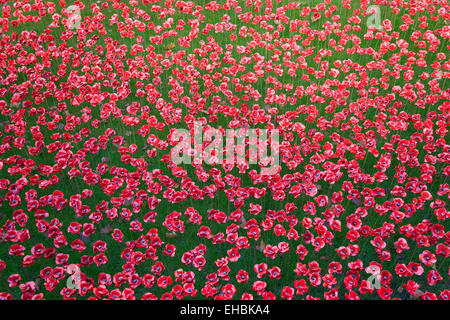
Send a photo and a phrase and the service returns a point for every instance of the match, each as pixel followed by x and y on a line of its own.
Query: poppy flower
pixel 291 149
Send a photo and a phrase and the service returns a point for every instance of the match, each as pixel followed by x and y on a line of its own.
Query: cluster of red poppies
pixel 93 205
